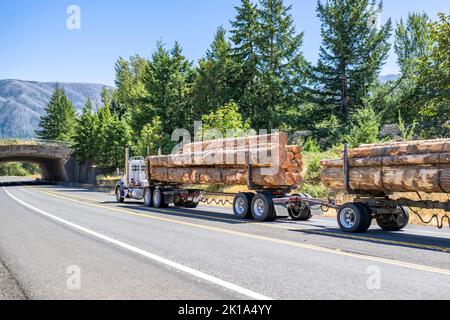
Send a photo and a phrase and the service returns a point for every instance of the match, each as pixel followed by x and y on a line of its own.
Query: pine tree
pixel 244 36
pixel 352 53
pixel 85 142
pixel 281 64
pixel 58 121
pixel 129 82
pixel 152 137
pixel 168 80
pixel 217 78
pixel 119 136
pixel 103 137
pixel 412 41
pixel 434 78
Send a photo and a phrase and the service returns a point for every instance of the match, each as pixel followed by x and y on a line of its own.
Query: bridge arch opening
pixel 51 169
pixel 50 157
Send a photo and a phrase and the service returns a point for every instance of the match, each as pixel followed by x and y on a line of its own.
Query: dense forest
pixel 255 76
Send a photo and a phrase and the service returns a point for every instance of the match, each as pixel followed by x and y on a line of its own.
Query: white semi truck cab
pixel 136 184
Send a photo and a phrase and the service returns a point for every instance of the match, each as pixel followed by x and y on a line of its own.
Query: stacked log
pixel 419 166
pixel 226 162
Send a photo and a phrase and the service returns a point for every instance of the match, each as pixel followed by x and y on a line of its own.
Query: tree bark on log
pixel 237 143
pixel 265 177
pixel 407 148
pixel 419 166
pixel 416 159
pixel 391 179
pixel 236 158
pixel 225 162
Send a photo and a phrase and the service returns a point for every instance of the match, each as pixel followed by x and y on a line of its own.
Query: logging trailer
pixel 267 204
pixel 261 204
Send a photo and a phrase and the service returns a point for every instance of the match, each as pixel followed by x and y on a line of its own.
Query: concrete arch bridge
pixel 54 158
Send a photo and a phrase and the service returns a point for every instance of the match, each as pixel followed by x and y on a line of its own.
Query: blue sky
pixel 36 44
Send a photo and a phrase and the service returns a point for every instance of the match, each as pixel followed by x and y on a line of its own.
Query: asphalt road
pixel 65 243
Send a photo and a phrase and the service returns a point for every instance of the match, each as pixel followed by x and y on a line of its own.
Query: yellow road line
pixel 263 238
pixel 268 225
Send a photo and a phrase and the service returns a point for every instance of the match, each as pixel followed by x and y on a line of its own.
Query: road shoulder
pixel 9 288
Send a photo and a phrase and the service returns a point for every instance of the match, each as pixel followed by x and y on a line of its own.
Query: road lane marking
pixel 264 238
pixel 271 225
pixel 151 256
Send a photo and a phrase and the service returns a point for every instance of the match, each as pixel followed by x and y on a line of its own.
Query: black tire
pixel 262 208
pixel 354 218
pixel 148 198
pixel 298 214
pixel 119 195
pixel 242 204
pixel 367 215
pixel 394 222
pixel 158 199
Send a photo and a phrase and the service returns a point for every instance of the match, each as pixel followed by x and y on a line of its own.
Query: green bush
pixel 316 190
pixel 310 145
pixel 313 170
pixel 13 169
pixel 365 128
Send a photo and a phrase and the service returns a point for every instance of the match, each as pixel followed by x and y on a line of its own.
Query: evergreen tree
pixel 244 36
pixel 85 142
pixel 281 64
pixel 102 133
pixel 434 78
pixel 58 121
pixel 412 41
pixel 152 137
pixel 168 78
pixel 119 136
pixel 131 92
pixel 217 78
pixel 421 94
pixel 365 128
pixel 352 53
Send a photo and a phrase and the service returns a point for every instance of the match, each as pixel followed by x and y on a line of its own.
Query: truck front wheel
pixel 119 196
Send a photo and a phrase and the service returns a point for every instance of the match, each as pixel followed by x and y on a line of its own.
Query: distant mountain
pixel 389 77
pixel 22 103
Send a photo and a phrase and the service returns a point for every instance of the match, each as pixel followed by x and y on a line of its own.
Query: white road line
pixel 180 267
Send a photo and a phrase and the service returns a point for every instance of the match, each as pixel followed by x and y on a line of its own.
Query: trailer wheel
pixel 148 201
pixel 242 205
pixel 354 218
pixel 394 222
pixel 119 197
pixel 298 214
pixel 158 199
pixel 262 208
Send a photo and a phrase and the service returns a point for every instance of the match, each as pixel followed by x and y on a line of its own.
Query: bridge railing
pixel 17 141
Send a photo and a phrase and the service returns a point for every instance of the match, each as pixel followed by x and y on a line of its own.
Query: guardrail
pixel 17 141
